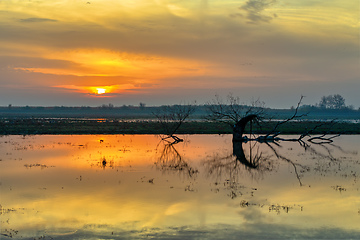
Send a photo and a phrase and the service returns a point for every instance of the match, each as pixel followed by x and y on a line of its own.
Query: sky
pixel 123 52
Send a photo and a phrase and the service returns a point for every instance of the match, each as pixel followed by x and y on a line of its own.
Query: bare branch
pixel 238 115
pixel 294 116
pixel 172 117
pixel 233 110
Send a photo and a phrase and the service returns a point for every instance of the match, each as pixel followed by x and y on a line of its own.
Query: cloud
pixel 36 62
pixel 36 20
pixel 220 231
pixel 254 10
pixel 148 44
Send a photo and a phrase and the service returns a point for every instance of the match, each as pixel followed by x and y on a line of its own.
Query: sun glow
pixel 101 90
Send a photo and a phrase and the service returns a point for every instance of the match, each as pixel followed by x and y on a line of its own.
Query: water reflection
pixel 171 160
pixel 136 186
pixel 245 157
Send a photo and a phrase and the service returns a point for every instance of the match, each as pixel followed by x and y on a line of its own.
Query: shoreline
pixel 42 126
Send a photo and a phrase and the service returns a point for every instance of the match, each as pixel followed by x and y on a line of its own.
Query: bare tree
pixel 142 105
pixel 172 117
pixel 232 110
pixel 235 113
pixel 238 116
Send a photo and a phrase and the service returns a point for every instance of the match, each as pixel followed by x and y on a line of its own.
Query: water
pixel 139 187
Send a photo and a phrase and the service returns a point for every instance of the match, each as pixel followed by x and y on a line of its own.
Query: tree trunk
pixel 238 152
pixel 239 128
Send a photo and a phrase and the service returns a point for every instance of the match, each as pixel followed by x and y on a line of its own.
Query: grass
pixel 29 126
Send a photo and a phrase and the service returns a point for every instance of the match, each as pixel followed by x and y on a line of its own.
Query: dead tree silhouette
pixel 172 117
pixel 238 116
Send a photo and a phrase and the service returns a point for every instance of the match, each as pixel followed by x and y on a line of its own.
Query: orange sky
pixel 165 51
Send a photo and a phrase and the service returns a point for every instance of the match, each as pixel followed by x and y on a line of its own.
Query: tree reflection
pixel 171 160
pixel 257 158
pixel 296 166
pixel 254 159
pixel 245 157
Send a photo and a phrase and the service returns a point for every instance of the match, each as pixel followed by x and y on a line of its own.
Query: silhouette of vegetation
pixel 172 117
pixel 238 116
pixel 332 103
pixel 142 105
pixel 26 126
pixel 335 101
pixel 216 117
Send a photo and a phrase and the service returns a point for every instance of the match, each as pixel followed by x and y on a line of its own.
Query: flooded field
pixel 139 187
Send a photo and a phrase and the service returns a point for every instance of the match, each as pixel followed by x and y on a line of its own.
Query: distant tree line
pixel 335 101
pixel 330 102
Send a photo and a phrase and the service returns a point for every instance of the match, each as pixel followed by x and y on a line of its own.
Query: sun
pixel 100 90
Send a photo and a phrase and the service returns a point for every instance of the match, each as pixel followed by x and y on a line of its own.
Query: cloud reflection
pixel 81 196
